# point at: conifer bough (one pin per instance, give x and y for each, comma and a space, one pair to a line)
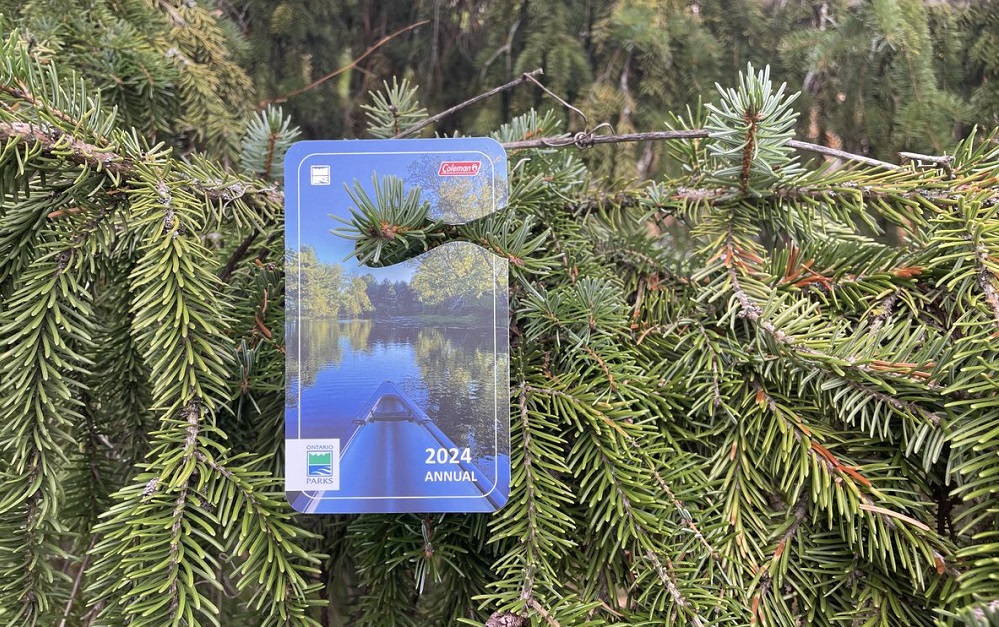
735, 401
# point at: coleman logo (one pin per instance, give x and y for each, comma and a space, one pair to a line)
459, 168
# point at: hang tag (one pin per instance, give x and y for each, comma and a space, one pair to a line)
397, 377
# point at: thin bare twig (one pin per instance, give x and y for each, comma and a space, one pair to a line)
565, 104
237, 255
59, 144
76, 585
586, 140
841, 154
338, 71
527, 76
909, 157
561, 141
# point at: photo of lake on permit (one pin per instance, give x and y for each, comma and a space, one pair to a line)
397, 376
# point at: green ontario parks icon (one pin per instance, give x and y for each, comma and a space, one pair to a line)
320, 464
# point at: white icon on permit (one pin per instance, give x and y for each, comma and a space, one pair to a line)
320, 175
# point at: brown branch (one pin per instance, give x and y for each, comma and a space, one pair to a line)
21, 92
748, 151
271, 146
237, 255
586, 140
81, 571
909, 157
543, 612
841, 154
338, 71
55, 142
527, 76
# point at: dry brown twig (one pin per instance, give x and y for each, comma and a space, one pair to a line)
319, 81
526, 76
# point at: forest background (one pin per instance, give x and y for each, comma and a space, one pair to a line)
876, 78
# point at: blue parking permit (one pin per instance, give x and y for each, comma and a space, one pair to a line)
397, 377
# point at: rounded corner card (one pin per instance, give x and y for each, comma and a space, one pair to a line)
397, 377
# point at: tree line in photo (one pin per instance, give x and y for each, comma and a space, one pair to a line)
452, 280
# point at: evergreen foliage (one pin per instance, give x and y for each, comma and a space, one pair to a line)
872, 74
118, 376
166, 66
734, 400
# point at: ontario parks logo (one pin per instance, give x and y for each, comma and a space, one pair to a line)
312, 464
320, 464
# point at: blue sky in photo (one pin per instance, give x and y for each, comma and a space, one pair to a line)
309, 205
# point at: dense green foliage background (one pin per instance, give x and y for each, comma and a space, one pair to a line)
748, 389
876, 76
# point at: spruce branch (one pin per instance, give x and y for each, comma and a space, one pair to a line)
537, 522
395, 109
587, 139
122, 172
22, 94
805, 436
632, 517
873, 371
284, 561
669, 581
192, 417
45, 331
755, 312
174, 279
532, 511
56, 143
268, 137
750, 128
